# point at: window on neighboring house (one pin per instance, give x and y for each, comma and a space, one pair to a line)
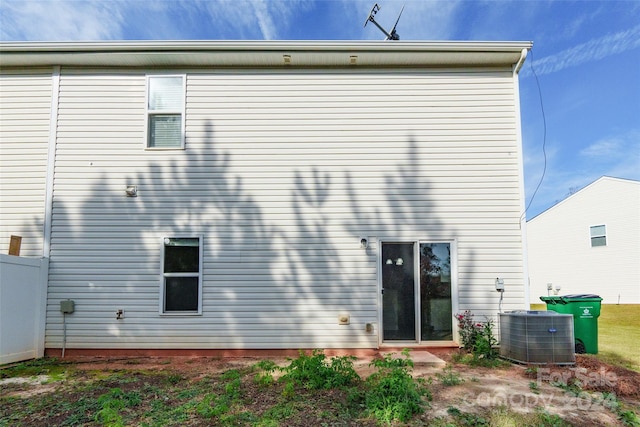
181, 275
165, 112
598, 235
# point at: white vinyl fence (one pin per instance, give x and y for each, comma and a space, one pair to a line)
23, 296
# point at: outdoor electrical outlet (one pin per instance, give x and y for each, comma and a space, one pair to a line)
120, 314
368, 327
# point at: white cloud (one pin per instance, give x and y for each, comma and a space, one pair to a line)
603, 148
51, 20
60, 20
592, 50
623, 148
265, 21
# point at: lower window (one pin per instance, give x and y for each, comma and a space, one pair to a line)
181, 275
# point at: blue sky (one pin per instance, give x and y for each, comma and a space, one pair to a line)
586, 55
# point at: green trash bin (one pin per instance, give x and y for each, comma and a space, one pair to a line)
585, 309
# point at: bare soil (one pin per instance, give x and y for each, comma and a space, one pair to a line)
520, 388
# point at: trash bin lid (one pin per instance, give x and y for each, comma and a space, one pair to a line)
583, 296
551, 298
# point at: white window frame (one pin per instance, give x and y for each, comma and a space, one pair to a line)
164, 275
591, 236
181, 112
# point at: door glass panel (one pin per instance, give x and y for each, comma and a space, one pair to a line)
398, 298
435, 292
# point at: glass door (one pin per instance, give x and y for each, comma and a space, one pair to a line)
435, 292
416, 292
398, 292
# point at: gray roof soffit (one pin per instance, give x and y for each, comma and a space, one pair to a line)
260, 53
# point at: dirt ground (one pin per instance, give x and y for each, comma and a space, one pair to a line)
523, 388
518, 387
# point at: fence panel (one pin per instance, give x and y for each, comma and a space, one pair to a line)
23, 295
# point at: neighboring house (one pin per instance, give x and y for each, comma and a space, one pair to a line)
589, 243
264, 195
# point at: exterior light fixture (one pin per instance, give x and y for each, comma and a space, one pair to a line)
389, 261
557, 289
131, 191
364, 243
353, 60
286, 59
399, 261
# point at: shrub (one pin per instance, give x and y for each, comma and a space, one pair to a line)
477, 338
468, 330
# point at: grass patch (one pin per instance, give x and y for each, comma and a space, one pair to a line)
52, 367
618, 334
498, 417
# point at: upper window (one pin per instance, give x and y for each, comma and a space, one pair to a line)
165, 112
181, 275
598, 235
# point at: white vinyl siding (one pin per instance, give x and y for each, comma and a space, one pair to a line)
284, 172
25, 106
560, 251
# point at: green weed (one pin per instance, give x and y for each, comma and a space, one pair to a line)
391, 393
467, 419
449, 377
314, 372
547, 419
264, 378
533, 386
112, 403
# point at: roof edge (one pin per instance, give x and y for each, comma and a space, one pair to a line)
591, 184
262, 45
261, 53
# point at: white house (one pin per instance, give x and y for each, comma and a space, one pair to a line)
589, 243
264, 195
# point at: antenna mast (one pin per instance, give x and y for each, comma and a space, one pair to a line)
391, 35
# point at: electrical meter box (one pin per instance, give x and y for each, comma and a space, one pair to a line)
67, 306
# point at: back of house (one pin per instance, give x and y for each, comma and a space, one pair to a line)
220, 196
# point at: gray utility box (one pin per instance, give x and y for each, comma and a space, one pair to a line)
537, 337
67, 306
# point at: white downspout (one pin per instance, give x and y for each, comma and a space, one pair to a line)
51, 160
522, 218
48, 207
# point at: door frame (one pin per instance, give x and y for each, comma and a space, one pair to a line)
416, 278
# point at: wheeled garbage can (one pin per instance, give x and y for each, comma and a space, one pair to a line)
585, 309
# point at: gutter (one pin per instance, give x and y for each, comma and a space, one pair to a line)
262, 54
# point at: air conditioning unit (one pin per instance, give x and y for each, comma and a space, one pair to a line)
537, 337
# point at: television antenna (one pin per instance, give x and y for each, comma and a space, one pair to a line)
391, 35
